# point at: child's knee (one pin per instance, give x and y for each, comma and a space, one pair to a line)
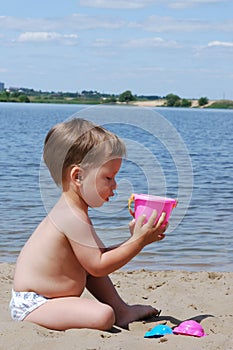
107, 318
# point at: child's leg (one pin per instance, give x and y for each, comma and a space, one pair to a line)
73, 312
103, 289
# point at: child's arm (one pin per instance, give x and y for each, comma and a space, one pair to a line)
99, 262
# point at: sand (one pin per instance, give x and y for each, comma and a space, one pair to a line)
162, 103
206, 297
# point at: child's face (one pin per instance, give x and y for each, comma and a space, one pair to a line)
99, 183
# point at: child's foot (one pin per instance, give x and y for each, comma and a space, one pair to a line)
135, 313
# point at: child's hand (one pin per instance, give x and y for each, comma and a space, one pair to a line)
132, 226
149, 232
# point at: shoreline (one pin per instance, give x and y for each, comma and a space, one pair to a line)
162, 102
214, 104
134, 265
206, 297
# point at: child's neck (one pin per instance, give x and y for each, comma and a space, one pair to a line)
75, 201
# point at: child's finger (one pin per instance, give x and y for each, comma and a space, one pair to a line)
161, 220
140, 220
132, 222
152, 218
131, 226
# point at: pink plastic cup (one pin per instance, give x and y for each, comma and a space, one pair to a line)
144, 204
190, 327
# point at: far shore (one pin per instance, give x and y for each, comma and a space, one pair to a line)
162, 103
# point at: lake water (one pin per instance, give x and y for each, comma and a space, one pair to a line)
181, 153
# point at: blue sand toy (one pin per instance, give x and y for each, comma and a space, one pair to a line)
158, 331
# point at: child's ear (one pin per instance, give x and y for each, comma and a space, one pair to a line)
76, 174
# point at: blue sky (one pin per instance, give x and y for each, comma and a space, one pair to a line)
147, 46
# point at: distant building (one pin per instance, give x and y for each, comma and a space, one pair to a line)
13, 89
1, 86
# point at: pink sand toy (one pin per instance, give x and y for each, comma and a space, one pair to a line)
145, 204
190, 328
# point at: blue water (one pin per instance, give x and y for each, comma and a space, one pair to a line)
181, 153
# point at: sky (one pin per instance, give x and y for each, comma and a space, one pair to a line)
151, 47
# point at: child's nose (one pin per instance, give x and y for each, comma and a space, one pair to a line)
114, 184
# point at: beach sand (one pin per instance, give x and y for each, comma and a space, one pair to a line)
162, 103
206, 297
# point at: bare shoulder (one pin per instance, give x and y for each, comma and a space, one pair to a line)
73, 223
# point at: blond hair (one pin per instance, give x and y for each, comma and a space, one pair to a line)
81, 142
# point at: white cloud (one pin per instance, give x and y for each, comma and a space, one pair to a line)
72, 22
47, 37
191, 3
10, 23
118, 4
100, 43
80, 21
137, 4
151, 43
151, 69
219, 50
37, 36
220, 44
158, 24
170, 24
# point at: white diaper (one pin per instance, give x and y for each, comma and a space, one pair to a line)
23, 303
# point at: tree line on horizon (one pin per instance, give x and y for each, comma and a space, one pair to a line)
29, 95
26, 95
